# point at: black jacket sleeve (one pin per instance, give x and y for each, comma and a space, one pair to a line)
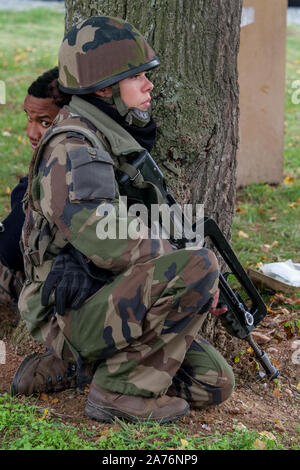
10, 253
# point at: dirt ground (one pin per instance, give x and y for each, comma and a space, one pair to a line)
256, 403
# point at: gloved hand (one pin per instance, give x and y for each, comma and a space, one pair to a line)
73, 280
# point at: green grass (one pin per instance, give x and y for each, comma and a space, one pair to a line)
268, 214
24, 426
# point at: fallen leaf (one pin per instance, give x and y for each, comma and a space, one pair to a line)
298, 387
288, 180
273, 312
184, 443
268, 435
289, 329
7, 190
255, 227
279, 426
293, 300
278, 337
44, 397
44, 415
275, 363
259, 445
241, 427
54, 400
266, 248
260, 338
276, 393
242, 234
241, 210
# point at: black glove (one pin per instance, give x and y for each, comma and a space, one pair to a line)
74, 280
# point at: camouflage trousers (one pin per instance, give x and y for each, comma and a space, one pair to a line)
139, 331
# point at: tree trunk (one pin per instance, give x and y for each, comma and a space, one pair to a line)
195, 98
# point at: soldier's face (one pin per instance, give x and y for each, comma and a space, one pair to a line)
40, 115
135, 91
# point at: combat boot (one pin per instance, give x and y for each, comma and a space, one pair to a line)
103, 405
43, 373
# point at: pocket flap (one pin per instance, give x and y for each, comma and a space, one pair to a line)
83, 155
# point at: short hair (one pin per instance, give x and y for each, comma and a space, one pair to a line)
46, 86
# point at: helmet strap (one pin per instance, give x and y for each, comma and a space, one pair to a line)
134, 116
119, 103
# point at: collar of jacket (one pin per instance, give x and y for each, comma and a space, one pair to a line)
121, 142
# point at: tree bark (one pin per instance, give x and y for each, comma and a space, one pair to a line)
195, 98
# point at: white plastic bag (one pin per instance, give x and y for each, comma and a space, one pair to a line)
286, 271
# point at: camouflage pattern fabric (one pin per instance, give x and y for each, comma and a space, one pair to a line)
204, 378
137, 329
100, 51
10, 285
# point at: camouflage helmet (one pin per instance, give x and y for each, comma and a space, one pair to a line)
101, 51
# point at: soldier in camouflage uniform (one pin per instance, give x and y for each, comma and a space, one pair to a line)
137, 333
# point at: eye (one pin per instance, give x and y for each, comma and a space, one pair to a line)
46, 123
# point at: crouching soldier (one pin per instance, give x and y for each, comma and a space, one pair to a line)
134, 337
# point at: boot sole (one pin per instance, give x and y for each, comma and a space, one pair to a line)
101, 413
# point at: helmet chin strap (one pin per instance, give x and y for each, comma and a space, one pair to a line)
134, 116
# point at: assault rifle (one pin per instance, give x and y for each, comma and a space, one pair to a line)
245, 307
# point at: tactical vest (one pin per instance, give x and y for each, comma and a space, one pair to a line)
36, 249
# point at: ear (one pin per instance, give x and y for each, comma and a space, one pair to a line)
105, 92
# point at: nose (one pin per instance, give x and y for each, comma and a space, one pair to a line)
33, 132
148, 86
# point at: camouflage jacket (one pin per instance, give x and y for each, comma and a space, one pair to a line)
67, 185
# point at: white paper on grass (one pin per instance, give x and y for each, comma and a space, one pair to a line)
285, 271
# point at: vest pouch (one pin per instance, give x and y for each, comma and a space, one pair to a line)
41, 236
92, 174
